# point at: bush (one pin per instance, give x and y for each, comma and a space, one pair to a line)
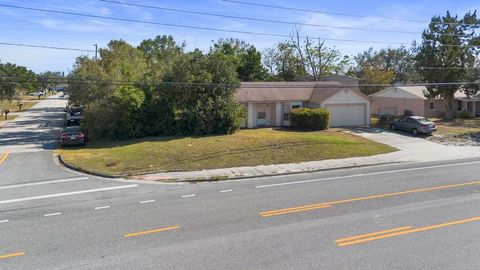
465, 114
408, 113
312, 119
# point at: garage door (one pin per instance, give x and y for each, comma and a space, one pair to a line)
347, 115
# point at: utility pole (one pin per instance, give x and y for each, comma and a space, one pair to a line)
319, 59
96, 51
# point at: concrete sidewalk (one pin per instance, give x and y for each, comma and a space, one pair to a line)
411, 149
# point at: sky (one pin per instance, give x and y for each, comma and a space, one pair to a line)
41, 28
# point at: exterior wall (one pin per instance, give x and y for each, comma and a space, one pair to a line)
397, 106
438, 108
278, 114
244, 123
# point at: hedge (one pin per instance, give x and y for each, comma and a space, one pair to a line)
312, 119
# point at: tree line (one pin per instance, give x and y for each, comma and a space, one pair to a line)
160, 88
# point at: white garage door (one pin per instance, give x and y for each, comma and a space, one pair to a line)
347, 115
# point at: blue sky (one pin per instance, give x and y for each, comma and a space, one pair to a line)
31, 27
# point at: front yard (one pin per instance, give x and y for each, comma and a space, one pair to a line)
246, 148
13, 107
458, 132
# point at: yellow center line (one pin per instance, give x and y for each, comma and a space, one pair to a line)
3, 157
348, 239
421, 229
11, 255
151, 231
317, 206
296, 210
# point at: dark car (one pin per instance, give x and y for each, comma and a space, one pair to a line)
73, 136
414, 124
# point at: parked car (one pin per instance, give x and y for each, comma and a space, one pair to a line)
35, 94
414, 124
73, 135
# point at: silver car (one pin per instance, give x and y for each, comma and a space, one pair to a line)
414, 124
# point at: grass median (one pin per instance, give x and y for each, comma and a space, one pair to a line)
245, 148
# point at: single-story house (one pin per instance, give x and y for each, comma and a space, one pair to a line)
268, 104
395, 100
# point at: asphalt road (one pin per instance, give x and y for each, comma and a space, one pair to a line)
408, 216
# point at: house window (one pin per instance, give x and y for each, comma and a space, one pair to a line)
468, 106
261, 115
459, 105
295, 106
286, 111
432, 105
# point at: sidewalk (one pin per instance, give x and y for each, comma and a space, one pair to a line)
411, 149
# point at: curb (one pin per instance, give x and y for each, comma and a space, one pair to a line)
212, 179
226, 178
75, 168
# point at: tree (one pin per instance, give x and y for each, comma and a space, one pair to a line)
245, 57
125, 96
450, 43
51, 79
15, 79
401, 61
160, 52
288, 65
316, 58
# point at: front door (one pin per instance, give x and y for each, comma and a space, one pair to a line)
263, 115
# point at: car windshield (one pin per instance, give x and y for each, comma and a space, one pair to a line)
423, 120
72, 130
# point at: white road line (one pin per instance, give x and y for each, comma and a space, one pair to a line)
43, 183
149, 201
367, 174
4, 221
188, 196
67, 194
52, 214
101, 207
226, 190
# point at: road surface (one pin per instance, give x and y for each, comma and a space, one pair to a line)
404, 216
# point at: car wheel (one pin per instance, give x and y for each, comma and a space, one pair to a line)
415, 131
393, 127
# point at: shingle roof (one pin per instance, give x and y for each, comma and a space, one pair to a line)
286, 91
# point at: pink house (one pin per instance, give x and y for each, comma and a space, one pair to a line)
395, 100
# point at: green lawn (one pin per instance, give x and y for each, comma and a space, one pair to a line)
246, 148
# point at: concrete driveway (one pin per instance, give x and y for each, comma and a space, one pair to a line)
416, 148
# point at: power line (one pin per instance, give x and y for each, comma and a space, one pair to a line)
299, 84
44, 47
333, 13
200, 27
264, 20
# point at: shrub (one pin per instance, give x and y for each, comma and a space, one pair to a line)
407, 113
312, 119
465, 114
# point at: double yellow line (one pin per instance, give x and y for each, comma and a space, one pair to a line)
11, 255
378, 196
362, 238
3, 157
151, 231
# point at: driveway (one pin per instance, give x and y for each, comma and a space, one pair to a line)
416, 148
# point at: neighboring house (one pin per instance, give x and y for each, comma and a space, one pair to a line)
269, 103
470, 104
395, 100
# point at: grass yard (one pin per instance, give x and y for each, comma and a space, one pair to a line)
246, 148
13, 107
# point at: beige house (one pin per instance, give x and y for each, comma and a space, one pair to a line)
268, 104
395, 100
